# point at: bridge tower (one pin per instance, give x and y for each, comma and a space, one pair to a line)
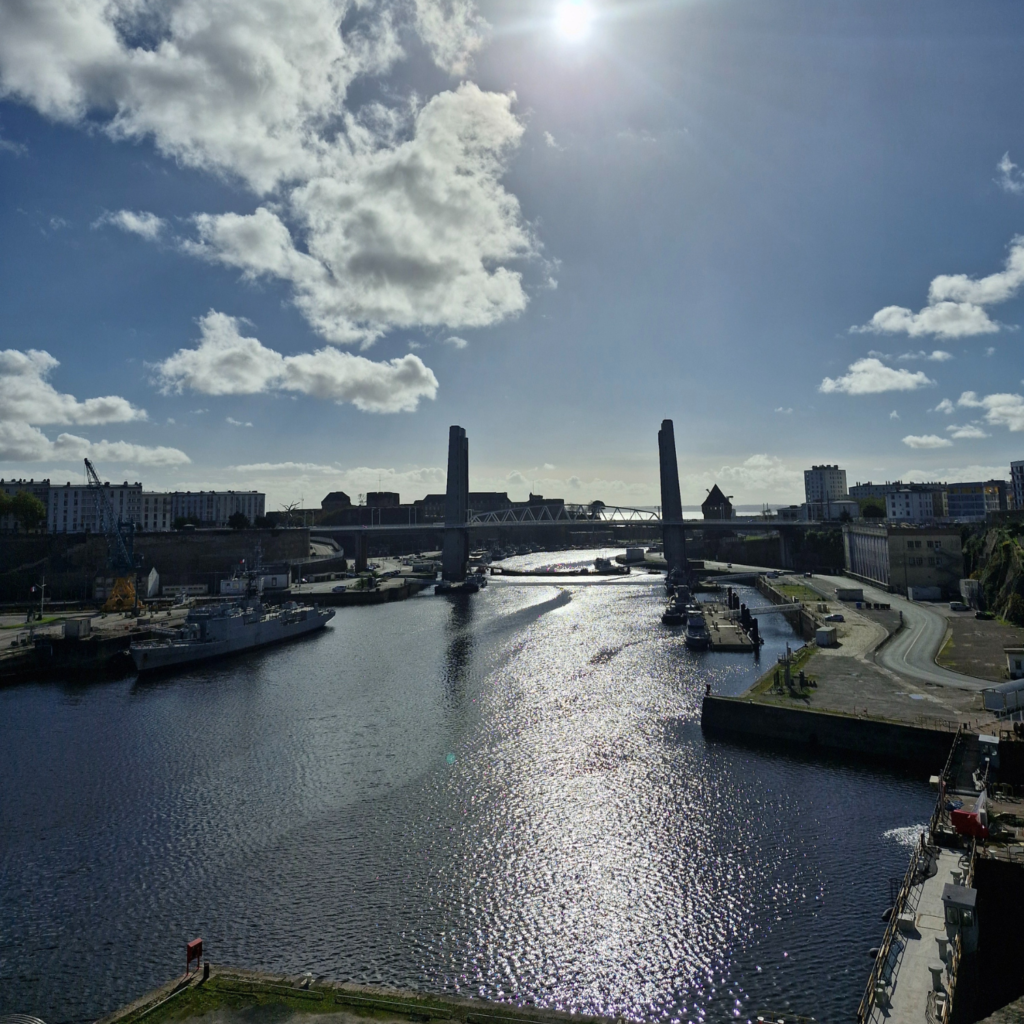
455, 550
673, 532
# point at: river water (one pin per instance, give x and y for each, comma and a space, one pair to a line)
504, 795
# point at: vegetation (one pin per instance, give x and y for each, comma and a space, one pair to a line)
872, 508
180, 522
995, 558
238, 521
27, 509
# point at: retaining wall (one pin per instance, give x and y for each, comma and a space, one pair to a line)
887, 742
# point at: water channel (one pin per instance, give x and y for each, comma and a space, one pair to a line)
506, 795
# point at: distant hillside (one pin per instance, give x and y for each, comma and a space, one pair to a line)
996, 558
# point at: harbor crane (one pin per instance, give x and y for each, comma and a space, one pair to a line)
120, 547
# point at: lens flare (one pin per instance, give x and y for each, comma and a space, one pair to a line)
573, 19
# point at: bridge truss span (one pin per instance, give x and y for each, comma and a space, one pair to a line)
530, 515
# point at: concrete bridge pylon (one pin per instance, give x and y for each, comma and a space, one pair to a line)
673, 531
455, 549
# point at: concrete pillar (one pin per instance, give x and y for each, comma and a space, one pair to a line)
673, 533
786, 547
455, 550
358, 555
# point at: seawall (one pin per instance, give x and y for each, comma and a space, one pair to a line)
876, 740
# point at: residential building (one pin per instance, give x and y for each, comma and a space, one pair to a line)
916, 503
157, 511
37, 488
831, 510
900, 556
1017, 484
72, 508
383, 499
716, 505
869, 490
823, 484
973, 501
215, 508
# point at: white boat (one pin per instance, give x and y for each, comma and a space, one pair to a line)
697, 636
228, 628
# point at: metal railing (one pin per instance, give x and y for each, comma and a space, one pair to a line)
867, 1003
956, 947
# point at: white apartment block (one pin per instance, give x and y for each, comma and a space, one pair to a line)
1017, 483
72, 508
157, 511
37, 488
915, 505
824, 484
214, 508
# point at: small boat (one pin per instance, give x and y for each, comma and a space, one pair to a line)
697, 636
675, 612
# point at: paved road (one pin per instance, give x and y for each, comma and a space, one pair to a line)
912, 651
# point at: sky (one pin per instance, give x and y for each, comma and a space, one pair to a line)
284, 244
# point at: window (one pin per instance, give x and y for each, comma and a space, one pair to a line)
931, 562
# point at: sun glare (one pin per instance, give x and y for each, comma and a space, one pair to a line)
573, 18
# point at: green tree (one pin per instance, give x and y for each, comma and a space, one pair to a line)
6, 504
238, 521
28, 510
181, 521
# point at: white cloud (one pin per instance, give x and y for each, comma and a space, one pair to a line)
945, 406
382, 216
549, 141
871, 377
548, 466
227, 363
786, 411
990, 351
759, 475
21, 442
1001, 410
456, 342
283, 467
26, 395
968, 431
894, 415
1010, 178
453, 31
926, 441
7, 146
236, 423
146, 225
938, 356
955, 303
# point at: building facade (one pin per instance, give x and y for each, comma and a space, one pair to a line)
897, 557
215, 508
1017, 484
824, 484
972, 502
870, 490
157, 511
915, 503
72, 508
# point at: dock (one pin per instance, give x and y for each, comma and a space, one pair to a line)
727, 637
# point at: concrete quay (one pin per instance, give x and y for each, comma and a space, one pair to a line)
231, 995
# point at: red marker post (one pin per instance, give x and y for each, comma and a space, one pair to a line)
193, 951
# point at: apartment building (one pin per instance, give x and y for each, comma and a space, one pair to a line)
72, 508
823, 484
916, 503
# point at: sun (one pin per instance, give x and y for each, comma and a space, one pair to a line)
573, 19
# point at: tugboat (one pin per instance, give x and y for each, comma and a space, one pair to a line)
697, 636
229, 627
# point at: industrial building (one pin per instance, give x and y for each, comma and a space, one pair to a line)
902, 557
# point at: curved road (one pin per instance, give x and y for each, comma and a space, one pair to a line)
912, 651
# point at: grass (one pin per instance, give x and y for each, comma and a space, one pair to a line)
945, 656
798, 592
35, 622
798, 661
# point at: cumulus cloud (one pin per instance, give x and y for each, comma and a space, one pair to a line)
938, 356
1010, 178
28, 400
759, 474
381, 216
945, 406
926, 441
1001, 410
227, 363
456, 342
26, 395
968, 431
956, 303
870, 376
146, 225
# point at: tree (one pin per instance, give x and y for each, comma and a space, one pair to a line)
238, 521
263, 523
28, 510
182, 521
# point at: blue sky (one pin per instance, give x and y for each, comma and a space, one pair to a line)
285, 245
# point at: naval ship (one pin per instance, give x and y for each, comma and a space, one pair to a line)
229, 627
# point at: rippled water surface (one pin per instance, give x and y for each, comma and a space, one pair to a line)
504, 795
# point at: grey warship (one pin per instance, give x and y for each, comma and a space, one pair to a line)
229, 627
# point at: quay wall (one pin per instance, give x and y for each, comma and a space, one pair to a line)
800, 619
887, 742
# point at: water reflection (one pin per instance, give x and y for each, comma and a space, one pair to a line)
585, 849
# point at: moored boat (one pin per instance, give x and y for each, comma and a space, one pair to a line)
697, 636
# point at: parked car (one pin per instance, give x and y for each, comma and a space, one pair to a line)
835, 617
337, 590
958, 606
808, 575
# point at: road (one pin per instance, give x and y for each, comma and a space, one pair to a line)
912, 651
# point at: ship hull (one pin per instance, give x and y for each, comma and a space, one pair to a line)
157, 655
